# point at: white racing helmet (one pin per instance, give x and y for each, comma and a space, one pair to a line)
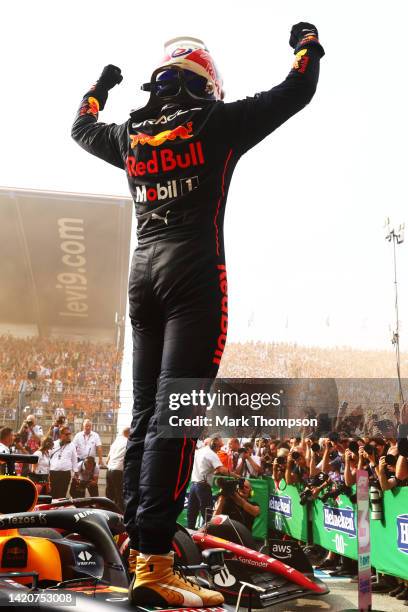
193, 58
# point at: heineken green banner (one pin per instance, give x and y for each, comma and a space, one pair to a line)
389, 536
260, 490
261, 497
334, 525
286, 513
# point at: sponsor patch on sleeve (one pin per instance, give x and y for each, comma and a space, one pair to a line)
90, 107
301, 61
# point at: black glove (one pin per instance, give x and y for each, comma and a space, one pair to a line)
300, 31
110, 77
303, 34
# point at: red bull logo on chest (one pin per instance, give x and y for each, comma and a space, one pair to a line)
166, 160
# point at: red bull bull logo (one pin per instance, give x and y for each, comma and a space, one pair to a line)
155, 140
90, 107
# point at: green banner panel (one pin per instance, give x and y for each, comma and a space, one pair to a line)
335, 526
389, 536
285, 511
334, 523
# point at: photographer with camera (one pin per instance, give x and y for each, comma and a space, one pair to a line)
233, 501
297, 470
249, 465
368, 460
332, 458
351, 458
387, 470
86, 478
54, 430
279, 466
31, 434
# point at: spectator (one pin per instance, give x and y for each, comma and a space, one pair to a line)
279, 465
31, 434
296, 468
114, 475
41, 469
54, 430
6, 439
351, 465
387, 469
88, 443
63, 463
249, 465
402, 470
237, 506
206, 464
86, 478
229, 454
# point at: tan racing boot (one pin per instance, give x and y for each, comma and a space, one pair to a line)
158, 583
132, 560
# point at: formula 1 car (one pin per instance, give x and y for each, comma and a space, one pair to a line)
71, 552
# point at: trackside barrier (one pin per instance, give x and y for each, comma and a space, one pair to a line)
285, 510
260, 496
334, 525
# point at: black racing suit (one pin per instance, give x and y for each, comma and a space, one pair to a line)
179, 162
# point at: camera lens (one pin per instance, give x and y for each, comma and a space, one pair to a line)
281, 460
391, 459
315, 447
295, 455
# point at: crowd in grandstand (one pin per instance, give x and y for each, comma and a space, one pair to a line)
77, 376
262, 359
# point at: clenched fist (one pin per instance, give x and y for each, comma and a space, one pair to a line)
300, 31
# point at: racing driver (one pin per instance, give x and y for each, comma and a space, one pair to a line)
179, 152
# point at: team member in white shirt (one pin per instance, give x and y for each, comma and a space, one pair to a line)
88, 443
114, 476
206, 465
41, 469
63, 461
6, 439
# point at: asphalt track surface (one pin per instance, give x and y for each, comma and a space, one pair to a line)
343, 596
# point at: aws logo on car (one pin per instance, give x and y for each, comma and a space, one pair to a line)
281, 551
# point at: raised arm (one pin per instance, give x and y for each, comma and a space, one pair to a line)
254, 118
100, 139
